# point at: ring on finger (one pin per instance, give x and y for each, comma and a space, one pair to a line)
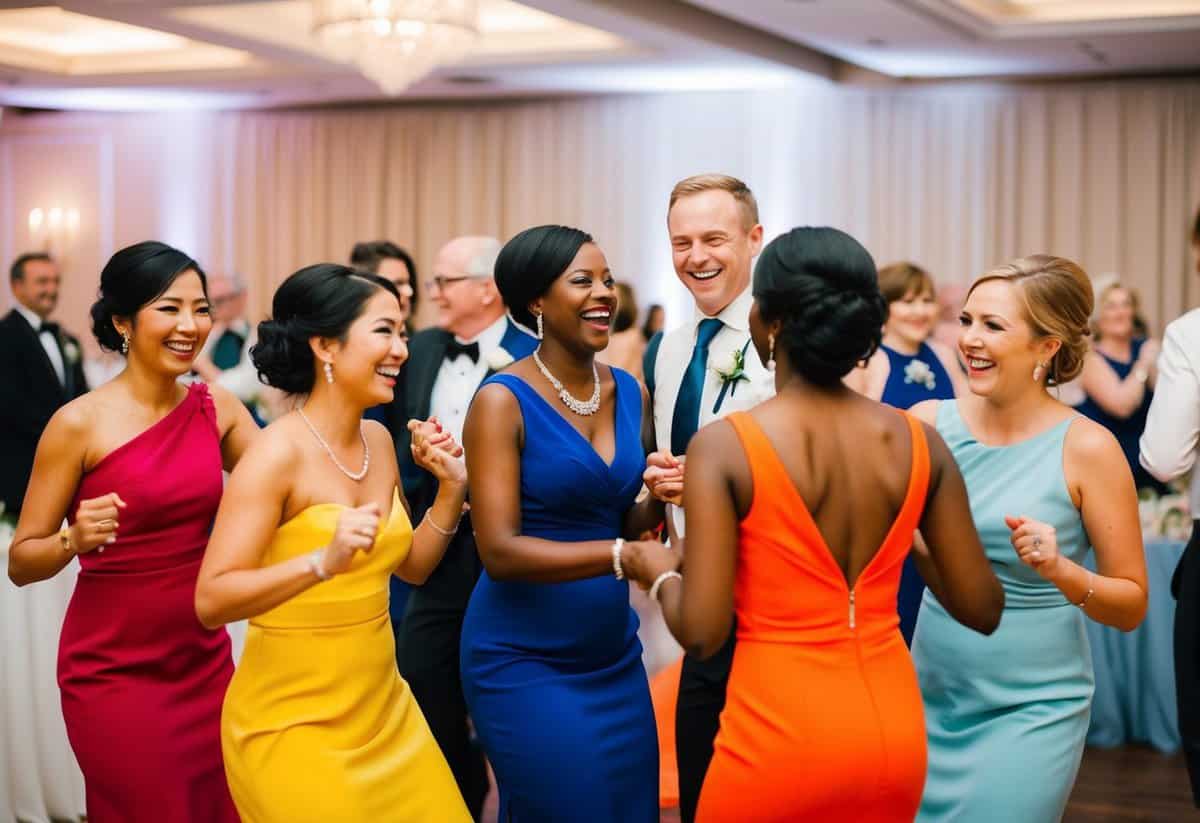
1037, 542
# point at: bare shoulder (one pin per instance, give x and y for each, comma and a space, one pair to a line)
376, 433
1087, 442
717, 438
926, 411
273, 452
225, 401
492, 399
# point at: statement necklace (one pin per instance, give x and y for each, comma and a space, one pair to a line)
584, 408
366, 451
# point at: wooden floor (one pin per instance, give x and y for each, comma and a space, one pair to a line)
1126, 784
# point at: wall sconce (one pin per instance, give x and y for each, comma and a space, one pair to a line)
55, 229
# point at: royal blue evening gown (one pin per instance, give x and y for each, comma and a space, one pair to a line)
552, 672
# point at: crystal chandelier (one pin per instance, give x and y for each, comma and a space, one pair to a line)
394, 43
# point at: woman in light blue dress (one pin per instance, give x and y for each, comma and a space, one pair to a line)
1007, 715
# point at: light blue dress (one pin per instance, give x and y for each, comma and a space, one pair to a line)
1007, 715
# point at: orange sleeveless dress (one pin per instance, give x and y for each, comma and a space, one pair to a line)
823, 718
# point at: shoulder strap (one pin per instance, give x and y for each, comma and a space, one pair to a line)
649, 360
918, 476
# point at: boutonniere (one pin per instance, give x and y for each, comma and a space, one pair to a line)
498, 359
71, 352
918, 371
731, 373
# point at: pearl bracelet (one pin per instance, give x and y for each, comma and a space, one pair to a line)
314, 563
443, 532
1087, 596
618, 570
662, 578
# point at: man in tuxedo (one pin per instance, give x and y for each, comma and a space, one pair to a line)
41, 369
715, 235
473, 338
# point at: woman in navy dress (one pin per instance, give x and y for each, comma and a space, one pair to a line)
908, 368
556, 446
1118, 377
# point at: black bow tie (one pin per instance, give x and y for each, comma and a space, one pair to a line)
454, 349
49, 327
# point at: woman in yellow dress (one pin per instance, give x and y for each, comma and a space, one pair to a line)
317, 724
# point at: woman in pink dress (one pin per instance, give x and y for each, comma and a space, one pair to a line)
135, 467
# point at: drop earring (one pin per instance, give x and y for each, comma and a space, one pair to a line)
124, 343
1037, 372
328, 372
771, 352
539, 327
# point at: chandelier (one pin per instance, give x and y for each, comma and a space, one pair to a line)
394, 43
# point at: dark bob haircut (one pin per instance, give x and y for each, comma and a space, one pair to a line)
820, 283
318, 301
132, 278
367, 256
530, 262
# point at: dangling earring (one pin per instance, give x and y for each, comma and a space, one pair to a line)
328, 372
124, 343
771, 355
539, 327
1037, 372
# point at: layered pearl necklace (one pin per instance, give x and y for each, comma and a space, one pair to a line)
584, 408
366, 450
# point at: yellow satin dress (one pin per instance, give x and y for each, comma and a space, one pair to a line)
317, 724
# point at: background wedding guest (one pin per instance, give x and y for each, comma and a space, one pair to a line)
655, 321
909, 366
40, 363
317, 724
1045, 485
626, 345
697, 373
1169, 447
135, 466
786, 523
392, 263
472, 339
1119, 375
227, 346
555, 450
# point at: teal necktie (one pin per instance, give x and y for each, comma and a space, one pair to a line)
686, 417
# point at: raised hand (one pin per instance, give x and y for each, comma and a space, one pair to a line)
664, 477
355, 532
96, 522
442, 460
430, 431
1036, 544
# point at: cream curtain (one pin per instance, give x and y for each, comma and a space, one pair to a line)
954, 177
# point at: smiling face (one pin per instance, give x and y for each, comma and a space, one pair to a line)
910, 320
712, 247
1117, 311
37, 288
998, 343
368, 360
166, 333
578, 308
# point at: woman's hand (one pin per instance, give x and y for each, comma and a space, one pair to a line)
644, 560
664, 477
96, 522
1036, 545
356, 530
437, 452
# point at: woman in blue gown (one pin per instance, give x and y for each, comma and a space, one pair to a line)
1007, 715
908, 368
556, 447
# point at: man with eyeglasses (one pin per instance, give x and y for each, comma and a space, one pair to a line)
472, 339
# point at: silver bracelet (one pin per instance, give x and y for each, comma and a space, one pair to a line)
443, 532
617, 545
662, 578
314, 563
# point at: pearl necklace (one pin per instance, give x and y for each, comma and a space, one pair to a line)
584, 408
366, 451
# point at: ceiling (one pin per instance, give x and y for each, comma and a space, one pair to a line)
155, 54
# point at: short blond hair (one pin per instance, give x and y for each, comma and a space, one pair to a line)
719, 182
1056, 294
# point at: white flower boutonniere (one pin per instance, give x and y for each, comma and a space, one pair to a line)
498, 359
918, 371
732, 373
71, 352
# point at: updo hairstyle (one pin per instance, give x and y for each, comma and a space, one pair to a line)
322, 300
134, 277
821, 285
530, 262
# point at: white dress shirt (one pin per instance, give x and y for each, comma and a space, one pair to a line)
674, 354
458, 379
1172, 435
46, 338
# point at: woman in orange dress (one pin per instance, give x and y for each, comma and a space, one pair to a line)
789, 526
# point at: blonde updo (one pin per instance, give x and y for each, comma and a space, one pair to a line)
1057, 298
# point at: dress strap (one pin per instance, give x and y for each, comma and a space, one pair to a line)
918, 477
766, 470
